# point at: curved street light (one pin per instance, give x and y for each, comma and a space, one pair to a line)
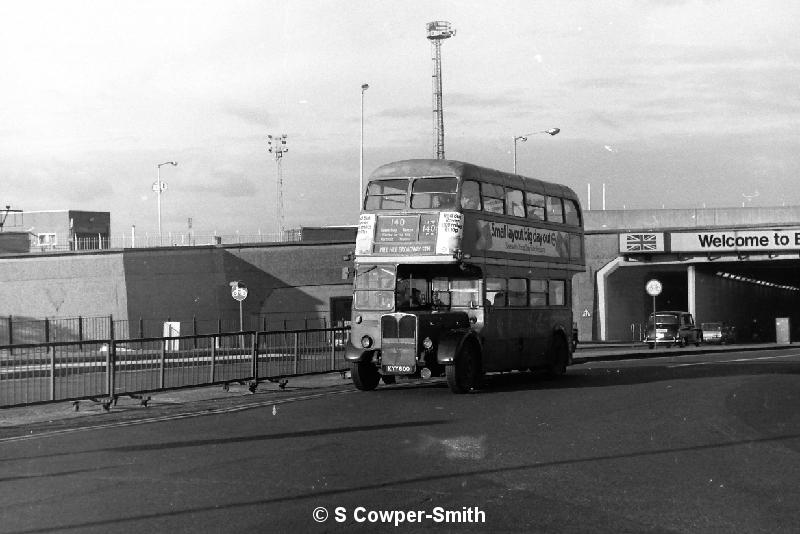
524, 137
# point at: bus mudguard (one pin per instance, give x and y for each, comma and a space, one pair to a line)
450, 344
357, 354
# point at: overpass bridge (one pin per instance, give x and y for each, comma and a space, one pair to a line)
738, 265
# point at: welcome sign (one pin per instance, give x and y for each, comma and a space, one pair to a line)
736, 241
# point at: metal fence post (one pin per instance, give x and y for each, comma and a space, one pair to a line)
334, 339
296, 351
161, 364
111, 359
80, 332
255, 356
52, 352
213, 357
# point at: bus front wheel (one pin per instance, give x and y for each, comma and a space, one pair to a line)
464, 375
365, 376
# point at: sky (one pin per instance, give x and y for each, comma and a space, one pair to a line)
670, 103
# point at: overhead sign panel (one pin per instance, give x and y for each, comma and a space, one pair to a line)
736, 241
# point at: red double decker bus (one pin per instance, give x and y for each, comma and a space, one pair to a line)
462, 270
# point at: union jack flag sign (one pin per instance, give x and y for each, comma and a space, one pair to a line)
650, 242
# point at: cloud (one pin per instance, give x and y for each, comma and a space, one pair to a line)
250, 114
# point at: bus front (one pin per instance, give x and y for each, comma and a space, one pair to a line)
414, 300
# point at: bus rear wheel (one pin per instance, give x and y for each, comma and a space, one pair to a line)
559, 357
464, 375
365, 376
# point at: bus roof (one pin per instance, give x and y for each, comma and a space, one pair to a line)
420, 168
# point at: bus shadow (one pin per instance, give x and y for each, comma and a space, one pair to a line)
611, 376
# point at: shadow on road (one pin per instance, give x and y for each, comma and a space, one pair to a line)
238, 439
611, 376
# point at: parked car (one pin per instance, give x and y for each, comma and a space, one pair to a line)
672, 328
718, 332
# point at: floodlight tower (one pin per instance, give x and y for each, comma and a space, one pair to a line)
277, 147
438, 30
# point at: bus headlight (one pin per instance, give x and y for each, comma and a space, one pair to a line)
427, 343
358, 319
366, 342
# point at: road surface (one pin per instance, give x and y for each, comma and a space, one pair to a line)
697, 443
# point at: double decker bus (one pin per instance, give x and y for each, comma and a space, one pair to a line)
462, 270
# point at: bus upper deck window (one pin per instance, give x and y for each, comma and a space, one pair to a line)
387, 194
555, 212
470, 195
514, 203
535, 205
493, 197
571, 213
434, 193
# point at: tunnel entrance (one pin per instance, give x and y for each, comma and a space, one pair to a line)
746, 294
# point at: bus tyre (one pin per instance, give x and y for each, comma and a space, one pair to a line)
464, 375
365, 376
559, 356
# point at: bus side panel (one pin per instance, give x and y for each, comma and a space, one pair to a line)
500, 351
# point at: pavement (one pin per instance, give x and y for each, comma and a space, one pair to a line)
15, 419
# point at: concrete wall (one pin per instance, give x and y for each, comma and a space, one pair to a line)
287, 284
63, 285
629, 220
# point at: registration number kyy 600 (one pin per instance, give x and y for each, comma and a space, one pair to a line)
398, 368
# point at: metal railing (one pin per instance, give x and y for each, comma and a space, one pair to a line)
106, 369
16, 330
64, 242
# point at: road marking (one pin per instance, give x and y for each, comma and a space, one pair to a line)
735, 360
173, 417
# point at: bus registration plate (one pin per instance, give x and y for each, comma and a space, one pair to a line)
398, 369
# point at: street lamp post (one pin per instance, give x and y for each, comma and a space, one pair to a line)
364, 87
158, 187
523, 138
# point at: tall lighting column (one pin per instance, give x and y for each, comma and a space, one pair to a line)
364, 87
438, 31
159, 187
277, 147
